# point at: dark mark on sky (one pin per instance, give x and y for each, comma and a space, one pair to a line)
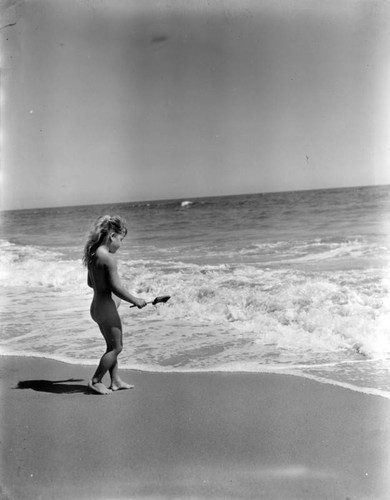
7, 26
159, 39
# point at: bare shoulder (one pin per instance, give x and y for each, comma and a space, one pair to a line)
105, 258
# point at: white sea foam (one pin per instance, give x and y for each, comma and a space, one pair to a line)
263, 313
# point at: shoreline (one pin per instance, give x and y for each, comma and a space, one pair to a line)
187, 436
283, 370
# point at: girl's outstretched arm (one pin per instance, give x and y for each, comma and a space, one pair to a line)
116, 285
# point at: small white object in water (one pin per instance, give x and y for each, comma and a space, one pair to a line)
186, 203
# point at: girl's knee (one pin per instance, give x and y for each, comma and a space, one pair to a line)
116, 347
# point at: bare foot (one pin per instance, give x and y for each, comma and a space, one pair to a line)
99, 387
119, 385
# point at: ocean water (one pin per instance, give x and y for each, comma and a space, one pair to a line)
293, 282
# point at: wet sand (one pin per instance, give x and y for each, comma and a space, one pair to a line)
187, 436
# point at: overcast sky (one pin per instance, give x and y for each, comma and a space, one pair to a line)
127, 100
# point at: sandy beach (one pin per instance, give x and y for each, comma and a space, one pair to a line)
187, 436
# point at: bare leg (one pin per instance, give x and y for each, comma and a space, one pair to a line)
114, 371
117, 383
108, 362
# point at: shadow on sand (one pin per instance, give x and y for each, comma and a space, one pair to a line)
55, 386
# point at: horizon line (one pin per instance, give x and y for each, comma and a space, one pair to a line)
190, 198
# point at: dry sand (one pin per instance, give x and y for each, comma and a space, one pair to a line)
187, 436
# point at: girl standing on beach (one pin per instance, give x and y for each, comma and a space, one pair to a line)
99, 257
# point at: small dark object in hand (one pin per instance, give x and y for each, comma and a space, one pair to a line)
161, 299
